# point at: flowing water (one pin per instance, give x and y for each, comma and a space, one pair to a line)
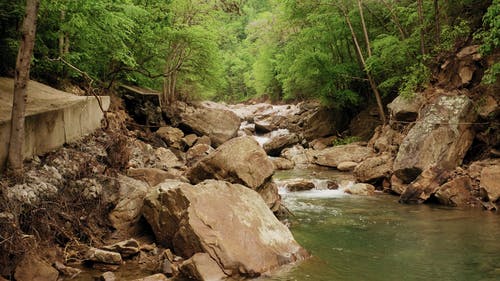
375, 238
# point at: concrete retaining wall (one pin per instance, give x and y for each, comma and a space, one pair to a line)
48, 130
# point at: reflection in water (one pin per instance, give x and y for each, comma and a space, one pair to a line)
375, 238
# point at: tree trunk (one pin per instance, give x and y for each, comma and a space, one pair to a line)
395, 19
421, 23
373, 85
365, 31
62, 35
21, 79
437, 22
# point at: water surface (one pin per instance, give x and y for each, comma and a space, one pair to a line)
376, 238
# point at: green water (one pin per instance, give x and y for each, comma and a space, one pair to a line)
376, 238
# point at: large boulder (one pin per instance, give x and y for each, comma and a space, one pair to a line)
441, 138
322, 122
34, 269
490, 182
456, 192
364, 123
240, 160
406, 109
202, 267
275, 145
333, 156
426, 184
374, 168
127, 211
229, 222
218, 124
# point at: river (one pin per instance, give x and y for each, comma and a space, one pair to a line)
376, 238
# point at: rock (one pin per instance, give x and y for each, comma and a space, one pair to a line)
487, 107
34, 269
467, 51
223, 220
455, 192
298, 155
386, 139
168, 268
322, 143
171, 136
197, 152
103, 256
441, 138
364, 123
490, 182
108, 276
240, 160
332, 185
270, 195
70, 272
397, 185
264, 127
152, 176
202, 267
126, 248
299, 185
374, 168
89, 188
346, 166
424, 186
190, 140
166, 159
475, 168
204, 140
332, 156
406, 108
127, 211
322, 122
360, 189
465, 73
281, 163
219, 125
276, 144
143, 155
155, 277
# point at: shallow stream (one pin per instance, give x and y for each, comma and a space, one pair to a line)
375, 238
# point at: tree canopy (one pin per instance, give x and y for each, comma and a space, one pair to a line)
239, 49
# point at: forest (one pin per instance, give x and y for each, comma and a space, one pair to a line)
339, 52
354, 139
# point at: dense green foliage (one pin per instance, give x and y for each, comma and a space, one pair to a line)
238, 49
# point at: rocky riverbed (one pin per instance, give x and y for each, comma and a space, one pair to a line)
195, 197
